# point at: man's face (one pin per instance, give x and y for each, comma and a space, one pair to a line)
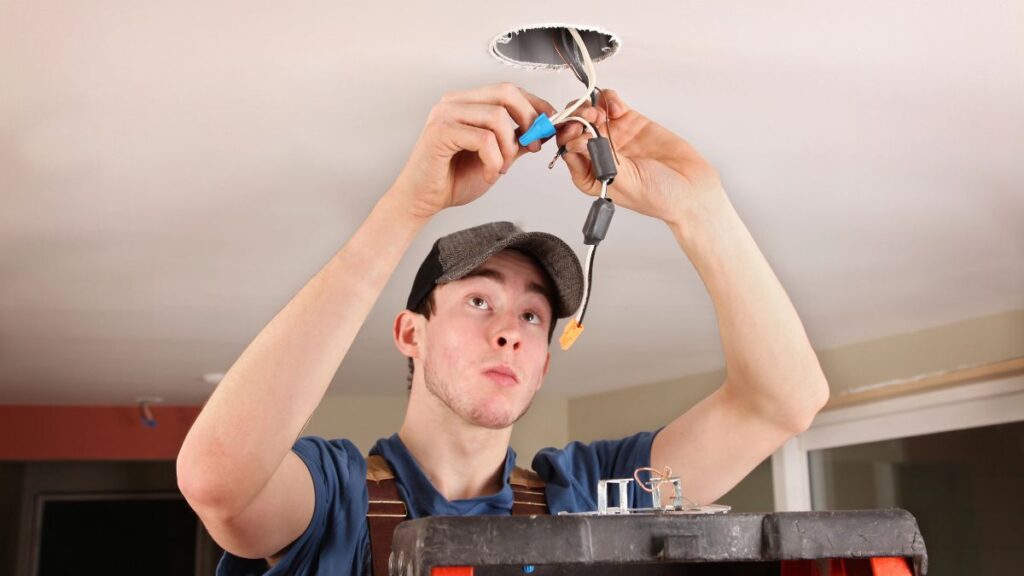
486, 346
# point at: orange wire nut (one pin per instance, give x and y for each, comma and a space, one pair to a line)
572, 331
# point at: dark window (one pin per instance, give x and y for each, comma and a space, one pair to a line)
964, 488
117, 536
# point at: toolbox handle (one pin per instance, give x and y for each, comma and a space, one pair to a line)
681, 547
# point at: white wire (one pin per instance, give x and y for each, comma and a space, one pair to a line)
588, 264
583, 121
564, 116
586, 282
591, 79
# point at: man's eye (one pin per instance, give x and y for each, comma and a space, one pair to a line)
531, 318
478, 302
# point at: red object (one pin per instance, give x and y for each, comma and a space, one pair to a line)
451, 571
891, 566
92, 432
881, 566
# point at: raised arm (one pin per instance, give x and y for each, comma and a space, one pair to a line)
236, 467
774, 385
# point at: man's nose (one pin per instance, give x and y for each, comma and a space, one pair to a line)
507, 334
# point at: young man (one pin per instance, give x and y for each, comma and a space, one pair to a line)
477, 331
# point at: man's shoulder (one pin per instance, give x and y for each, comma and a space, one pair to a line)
328, 448
572, 473
333, 463
598, 458
338, 470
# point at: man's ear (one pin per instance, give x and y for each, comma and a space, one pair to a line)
407, 333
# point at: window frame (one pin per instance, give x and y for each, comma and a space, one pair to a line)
995, 401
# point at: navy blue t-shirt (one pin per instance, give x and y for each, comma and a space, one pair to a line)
337, 539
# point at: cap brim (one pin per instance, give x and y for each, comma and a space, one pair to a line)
553, 254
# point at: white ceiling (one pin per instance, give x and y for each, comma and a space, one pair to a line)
172, 172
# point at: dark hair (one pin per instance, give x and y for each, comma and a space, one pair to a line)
426, 309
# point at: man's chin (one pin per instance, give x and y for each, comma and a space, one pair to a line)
490, 421
494, 419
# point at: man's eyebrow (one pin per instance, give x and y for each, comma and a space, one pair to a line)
500, 279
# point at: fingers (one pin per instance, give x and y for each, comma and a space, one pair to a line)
589, 111
479, 140
611, 101
539, 104
572, 129
579, 170
489, 117
522, 106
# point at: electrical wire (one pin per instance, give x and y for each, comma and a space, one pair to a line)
591, 77
582, 76
576, 66
585, 73
570, 65
588, 274
586, 124
608, 124
657, 475
588, 268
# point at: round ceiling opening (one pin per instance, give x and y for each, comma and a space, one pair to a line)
550, 45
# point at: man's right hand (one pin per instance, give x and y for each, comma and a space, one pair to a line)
469, 141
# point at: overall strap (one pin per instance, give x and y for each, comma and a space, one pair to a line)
528, 496
386, 511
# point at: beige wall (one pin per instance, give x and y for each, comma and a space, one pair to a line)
361, 419
546, 424
978, 341
364, 419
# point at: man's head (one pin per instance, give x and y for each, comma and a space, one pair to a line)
481, 314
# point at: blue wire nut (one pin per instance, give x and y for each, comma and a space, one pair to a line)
542, 128
528, 569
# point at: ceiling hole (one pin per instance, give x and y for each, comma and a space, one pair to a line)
534, 46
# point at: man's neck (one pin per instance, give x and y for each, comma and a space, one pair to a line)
461, 461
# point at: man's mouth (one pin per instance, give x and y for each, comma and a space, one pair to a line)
502, 375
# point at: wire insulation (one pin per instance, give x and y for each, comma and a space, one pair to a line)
588, 276
591, 77
586, 124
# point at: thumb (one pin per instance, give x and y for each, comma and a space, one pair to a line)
579, 169
617, 107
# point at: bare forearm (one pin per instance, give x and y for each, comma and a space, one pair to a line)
769, 359
252, 419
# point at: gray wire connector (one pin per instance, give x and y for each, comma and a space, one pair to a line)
598, 220
602, 160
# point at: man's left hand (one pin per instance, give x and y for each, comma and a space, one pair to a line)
659, 173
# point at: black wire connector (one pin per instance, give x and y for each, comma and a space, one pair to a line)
602, 164
598, 221
602, 159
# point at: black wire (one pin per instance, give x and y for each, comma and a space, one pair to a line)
567, 64
590, 283
571, 51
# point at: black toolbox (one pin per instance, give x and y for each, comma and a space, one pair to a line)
847, 543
